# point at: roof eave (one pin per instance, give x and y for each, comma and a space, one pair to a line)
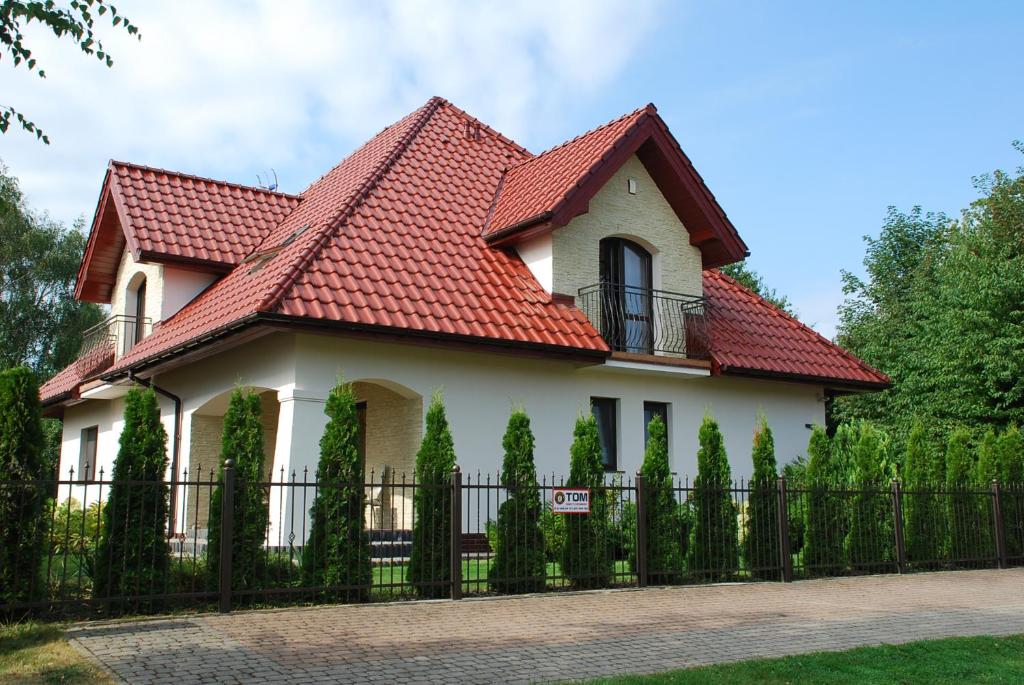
832, 383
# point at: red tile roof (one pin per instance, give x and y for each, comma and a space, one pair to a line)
751, 336
172, 215
391, 240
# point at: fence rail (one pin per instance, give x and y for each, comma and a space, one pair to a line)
485, 536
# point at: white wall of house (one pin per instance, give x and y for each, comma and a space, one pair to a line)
128, 275
180, 286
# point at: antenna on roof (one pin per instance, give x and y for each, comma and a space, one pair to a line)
267, 185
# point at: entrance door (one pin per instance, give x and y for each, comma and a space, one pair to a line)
627, 317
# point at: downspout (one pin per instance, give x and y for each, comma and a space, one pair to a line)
175, 446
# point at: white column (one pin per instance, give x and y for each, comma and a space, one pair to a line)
300, 423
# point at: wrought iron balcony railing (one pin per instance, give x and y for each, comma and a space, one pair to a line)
116, 335
648, 321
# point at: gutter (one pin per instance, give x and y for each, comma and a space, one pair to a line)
176, 445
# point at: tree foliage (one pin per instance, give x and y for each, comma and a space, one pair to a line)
22, 501
923, 473
968, 520
133, 557
76, 22
664, 556
713, 553
1010, 450
41, 324
941, 310
241, 441
430, 564
760, 538
869, 542
586, 559
519, 564
827, 517
336, 556
752, 280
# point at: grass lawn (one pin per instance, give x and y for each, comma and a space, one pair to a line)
954, 661
37, 653
474, 576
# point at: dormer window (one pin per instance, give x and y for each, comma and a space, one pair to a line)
136, 325
628, 324
140, 310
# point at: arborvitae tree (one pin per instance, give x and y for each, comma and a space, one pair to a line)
519, 564
761, 538
714, 552
586, 559
430, 564
841, 450
133, 557
968, 523
23, 497
337, 553
241, 441
827, 517
924, 509
870, 543
987, 468
664, 557
1010, 448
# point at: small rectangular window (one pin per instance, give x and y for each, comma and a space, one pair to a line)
87, 453
605, 411
652, 409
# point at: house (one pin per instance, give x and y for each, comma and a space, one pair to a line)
441, 254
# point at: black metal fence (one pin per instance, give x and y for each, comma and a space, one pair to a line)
487, 536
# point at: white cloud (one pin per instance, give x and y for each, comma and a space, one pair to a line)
230, 90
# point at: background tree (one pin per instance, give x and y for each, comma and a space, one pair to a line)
761, 539
41, 324
242, 441
827, 517
586, 559
22, 503
968, 524
752, 280
923, 473
869, 543
664, 558
75, 21
430, 564
336, 556
519, 564
713, 553
133, 556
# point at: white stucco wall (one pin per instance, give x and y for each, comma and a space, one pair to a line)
180, 286
538, 256
614, 211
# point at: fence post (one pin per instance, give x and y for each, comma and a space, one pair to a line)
785, 553
897, 515
997, 511
456, 533
641, 532
227, 525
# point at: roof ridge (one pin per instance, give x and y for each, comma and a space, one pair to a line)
490, 129
649, 107
273, 298
799, 324
205, 179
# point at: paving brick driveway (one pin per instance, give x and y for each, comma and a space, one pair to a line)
556, 636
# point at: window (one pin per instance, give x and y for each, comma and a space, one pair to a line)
87, 453
140, 311
626, 278
605, 412
652, 409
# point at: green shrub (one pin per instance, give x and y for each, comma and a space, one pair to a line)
987, 468
23, 522
74, 536
518, 564
923, 472
870, 541
1010, 448
133, 556
968, 523
430, 564
336, 556
761, 534
795, 473
664, 562
242, 441
714, 551
827, 517
553, 527
585, 557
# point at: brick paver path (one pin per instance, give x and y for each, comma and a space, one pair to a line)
556, 636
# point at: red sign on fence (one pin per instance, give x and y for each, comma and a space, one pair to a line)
570, 501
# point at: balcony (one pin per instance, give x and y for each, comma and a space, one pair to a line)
647, 322
114, 337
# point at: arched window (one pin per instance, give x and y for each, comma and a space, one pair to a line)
627, 317
135, 311
140, 310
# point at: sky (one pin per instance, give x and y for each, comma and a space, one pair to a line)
806, 119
